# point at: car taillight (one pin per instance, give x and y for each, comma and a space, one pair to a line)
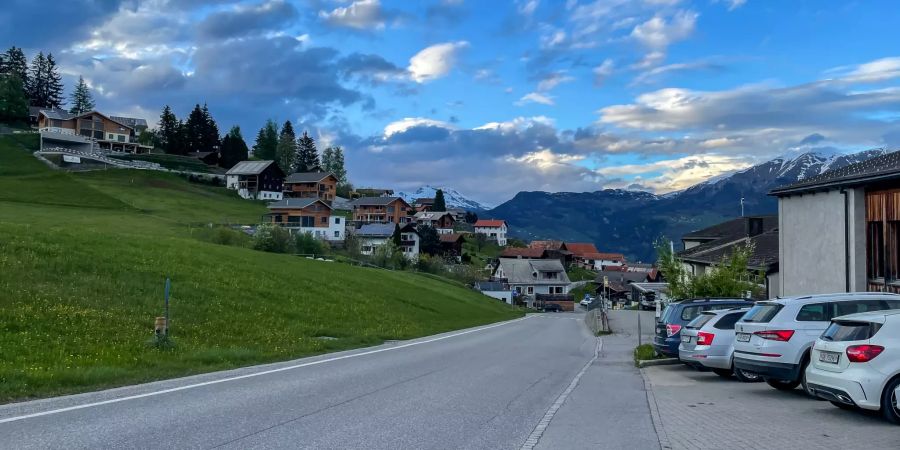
776, 335
863, 353
672, 329
704, 338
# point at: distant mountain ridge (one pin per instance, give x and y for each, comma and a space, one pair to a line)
452, 197
630, 221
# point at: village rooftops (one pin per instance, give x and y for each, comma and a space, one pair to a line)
376, 201
547, 245
516, 252
376, 230
490, 223
431, 215
524, 271
249, 168
605, 256
727, 232
451, 237
57, 113
764, 255
581, 249
307, 177
880, 168
296, 203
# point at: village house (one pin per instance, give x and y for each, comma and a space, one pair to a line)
443, 222
90, 132
523, 253
260, 180
493, 229
307, 215
534, 280
423, 204
381, 210
321, 185
580, 252
706, 248
616, 281
495, 289
601, 260
374, 235
838, 231
452, 245
553, 249
371, 192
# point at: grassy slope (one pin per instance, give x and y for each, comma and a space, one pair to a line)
82, 263
175, 162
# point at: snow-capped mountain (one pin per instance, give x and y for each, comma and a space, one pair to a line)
452, 198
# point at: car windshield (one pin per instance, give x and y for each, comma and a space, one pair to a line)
762, 312
700, 320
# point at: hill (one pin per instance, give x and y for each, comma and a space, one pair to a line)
630, 221
83, 261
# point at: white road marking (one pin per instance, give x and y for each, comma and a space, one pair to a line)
539, 429
251, 375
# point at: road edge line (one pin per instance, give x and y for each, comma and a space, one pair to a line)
542, 425
661, 434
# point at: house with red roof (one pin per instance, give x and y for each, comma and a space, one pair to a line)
493, 229
604, 260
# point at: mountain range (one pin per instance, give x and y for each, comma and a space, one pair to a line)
452, 198
630, 221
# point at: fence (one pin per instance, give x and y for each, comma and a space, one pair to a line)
597, 320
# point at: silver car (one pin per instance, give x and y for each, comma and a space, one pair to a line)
707, 342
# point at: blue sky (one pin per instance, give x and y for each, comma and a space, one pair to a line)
492, 98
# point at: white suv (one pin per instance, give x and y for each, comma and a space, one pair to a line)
774, 338
856, 363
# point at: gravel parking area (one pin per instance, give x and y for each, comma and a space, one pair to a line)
700, 410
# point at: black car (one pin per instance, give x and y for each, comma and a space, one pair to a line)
678, 314
553, 307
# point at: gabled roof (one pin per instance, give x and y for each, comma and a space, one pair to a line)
424, 201
547, 245
764, 256
581, 248
605, 256
731, 229
432, 215
249, 167
376, 230
515, 252
377, 201
307, 177
129, 121
295, 203
879, 168
91, 113
490, 223
56, 113
523, 271
341, 203
450, 238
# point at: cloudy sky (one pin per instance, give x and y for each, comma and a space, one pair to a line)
493, 97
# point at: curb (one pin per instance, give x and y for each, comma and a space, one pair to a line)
654, 414
657, 362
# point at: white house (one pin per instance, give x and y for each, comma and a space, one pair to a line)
530, 277
601, 260
495, 230
260, 180
441, 221
495, 289
308, 215
374, 235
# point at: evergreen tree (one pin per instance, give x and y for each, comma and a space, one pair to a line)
54, 83
37, 81
234, 149
13, 103
266, 141
307, 156
14, 62
286, 150
429, 241
338, 166
82, 100
195, 130
396, 237
439, 204
209, 138
328, 159
168, 130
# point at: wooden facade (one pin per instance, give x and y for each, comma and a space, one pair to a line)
883, 240
324, 189
316, 215
396, 211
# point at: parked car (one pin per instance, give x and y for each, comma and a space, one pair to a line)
856, 363
707, 342
553, 307
586, 301
680, 313
775, 337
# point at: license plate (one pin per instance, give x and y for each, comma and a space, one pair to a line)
743, 337
829, 357
685, 339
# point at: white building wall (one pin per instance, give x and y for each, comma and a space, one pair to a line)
505, 296
372, 243
499, 231
335, 232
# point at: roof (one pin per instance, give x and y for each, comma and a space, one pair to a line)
581, 248
376, 230
341, 203
376, 201
515, 252
547, 245
57, 113
451, 237
605, 256
489, 286
764, 256
521, 271
731, 229
490, 223
307, 177
874, 169
621, 277
424, 201
249, 168
90, 113
130, 121
200, 155
296, 203
432, 215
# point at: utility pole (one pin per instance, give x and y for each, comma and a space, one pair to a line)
742, 206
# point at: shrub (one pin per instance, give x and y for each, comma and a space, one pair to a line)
307, 244
226, 236
389, 256
272, 238
430, 264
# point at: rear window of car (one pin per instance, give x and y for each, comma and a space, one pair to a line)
664, 316
700, 320
821, 312
728, 320
762, 312
841, 331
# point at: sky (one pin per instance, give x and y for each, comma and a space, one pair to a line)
491, 97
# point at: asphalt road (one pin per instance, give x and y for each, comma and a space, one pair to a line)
481, 388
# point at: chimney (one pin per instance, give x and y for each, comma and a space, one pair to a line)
754, 226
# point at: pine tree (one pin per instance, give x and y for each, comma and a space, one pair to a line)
234, 149
14, 62
307, 157
396, 236
55, 87
439, 204
286, 150
169, 131
266, 141
82, 100
13, 103
338, 166
37, 81
209, 138
195, 129
328, 159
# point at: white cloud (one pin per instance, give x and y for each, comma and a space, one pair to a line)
535, 97
406, 123
603, 71
874, 71
435, 61
675, 174
656, 73
361, 14
545, 159
735, 4
552, 80
528, 7
650, 60
517, 124
657, 33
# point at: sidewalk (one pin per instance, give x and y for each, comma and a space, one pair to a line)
608, 409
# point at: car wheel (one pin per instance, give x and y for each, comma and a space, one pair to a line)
890, 409
724, 373
747, 377
843, 405
782, 385
805, 386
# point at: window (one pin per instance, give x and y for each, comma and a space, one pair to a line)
293, 220
556, 289
519, 289
728, 320
324, 219
307, 221
815, 312
551, 275
367, 248
530, 290
337, 220
850, 331
700, 320
337, 234
121, 138
111, 136
762, 312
